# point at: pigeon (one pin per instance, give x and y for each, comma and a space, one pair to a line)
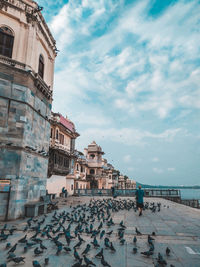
76, 255
46, 261
18, 259
168, 251
3, 265
104, 263
36, 264
8, 245
137, 231
100, 254
112, 248
134, 239
13, 248
88, 261
37, 251
67, 249
147, 253
134, 250
22, 240
87, 249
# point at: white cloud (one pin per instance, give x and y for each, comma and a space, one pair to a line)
155, 159
127, 158
157, 170
171, 169
126, 136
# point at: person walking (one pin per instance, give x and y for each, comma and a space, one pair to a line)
139, 199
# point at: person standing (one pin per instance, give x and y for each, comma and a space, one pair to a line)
139, 199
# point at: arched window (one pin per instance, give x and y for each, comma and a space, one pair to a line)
92, 171
41, 66
57, 134
6, 42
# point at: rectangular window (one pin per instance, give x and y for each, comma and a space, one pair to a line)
72, 186
6, 44
61, 139
66, 162
60, 161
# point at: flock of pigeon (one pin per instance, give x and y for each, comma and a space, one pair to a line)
85, 228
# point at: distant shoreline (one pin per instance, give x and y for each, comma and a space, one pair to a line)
168, 186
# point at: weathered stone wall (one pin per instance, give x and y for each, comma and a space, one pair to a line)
23, 122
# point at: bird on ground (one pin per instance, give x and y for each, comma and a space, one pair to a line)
95, 243
122, 241
46, 261
3, 265
18, 259
11, 256
22, 240
134, 250
147, 253
161, 260
42, 246
102, 234
88, 261
87, 249
8, 245
36, 264
78, 244
78, 264
59, 249
109, 233
104, 263
76, 255
137, 231
67, 249
112, 247
100, 254
13, 248
167, 251
107, 242
134, 239
37, 251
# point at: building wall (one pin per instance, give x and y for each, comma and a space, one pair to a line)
30, 38
25, 105
55, 184
70, 186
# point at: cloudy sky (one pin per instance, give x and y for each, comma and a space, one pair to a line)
128, 76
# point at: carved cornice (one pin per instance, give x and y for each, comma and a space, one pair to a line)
33, 15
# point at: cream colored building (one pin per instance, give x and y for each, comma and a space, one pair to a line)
27, 55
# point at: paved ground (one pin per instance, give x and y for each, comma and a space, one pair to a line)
176, 226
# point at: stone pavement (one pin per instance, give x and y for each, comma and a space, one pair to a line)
176, 226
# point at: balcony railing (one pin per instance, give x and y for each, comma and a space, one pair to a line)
163, 193
12, 62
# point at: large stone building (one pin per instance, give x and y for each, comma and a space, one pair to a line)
27, 54
62, 154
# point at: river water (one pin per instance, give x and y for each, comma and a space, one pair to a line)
190, 193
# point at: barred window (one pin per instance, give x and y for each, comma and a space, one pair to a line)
6, 42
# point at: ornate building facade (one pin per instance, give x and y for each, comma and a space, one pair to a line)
27, 55
62, 154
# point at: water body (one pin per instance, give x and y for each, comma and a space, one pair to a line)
190, 193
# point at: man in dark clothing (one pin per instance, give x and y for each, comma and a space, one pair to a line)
139, 199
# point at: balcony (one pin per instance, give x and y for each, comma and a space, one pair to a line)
42, 86
11, 62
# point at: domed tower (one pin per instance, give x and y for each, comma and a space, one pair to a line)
27, 55
94, 158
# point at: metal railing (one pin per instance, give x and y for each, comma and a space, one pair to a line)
172, 193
